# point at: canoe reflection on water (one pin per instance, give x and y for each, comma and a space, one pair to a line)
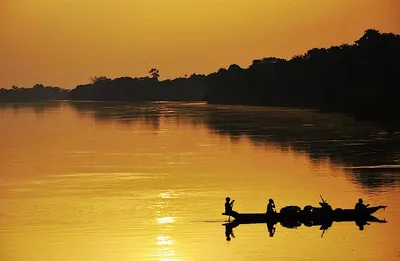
290, 224
294, 216
294, 221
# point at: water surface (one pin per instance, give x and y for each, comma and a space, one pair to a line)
147, 181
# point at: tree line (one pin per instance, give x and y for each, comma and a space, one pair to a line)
101, 88
38, 92
359, 79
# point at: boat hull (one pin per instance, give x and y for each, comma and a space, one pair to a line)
315, 216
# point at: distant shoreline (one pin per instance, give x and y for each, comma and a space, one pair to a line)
359, 80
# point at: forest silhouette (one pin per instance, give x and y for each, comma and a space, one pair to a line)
360, 80
38, 92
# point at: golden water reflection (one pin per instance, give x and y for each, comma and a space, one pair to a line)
164, 240
165, 220
166, 251
76, 188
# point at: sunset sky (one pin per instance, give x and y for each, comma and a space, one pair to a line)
64, 42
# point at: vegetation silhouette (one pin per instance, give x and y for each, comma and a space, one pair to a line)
38, 92
357, 79
142, 89
155, 73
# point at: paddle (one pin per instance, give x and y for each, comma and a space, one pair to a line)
229, 218
323, 200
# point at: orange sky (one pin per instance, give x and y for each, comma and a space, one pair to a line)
64, 42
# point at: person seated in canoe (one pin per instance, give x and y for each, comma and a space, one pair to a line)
325, 205
229, 205
360, 206
271, 207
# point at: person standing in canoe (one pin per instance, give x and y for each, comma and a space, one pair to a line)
360, 205
271, 206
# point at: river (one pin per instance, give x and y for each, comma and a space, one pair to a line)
147, 181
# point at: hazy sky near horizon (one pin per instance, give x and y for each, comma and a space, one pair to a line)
64, 42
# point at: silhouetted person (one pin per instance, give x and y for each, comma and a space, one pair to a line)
361, 223
271, 207
326, 224
271, 228
229, 230
228, 205
360, 205
325, 205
